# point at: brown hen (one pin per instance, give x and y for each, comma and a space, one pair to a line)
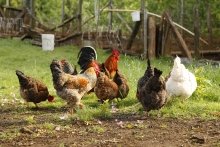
32, 90
105, 89
122, 82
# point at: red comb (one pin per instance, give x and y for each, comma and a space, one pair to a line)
114, 51
64, 60
50, 98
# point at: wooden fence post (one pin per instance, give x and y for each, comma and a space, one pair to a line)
152, 37
80, 23
182, 15
110, 15
62, 15
30, 6
209, 24
146, 56
97, 23
196, 31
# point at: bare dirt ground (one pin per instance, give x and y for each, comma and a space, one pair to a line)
40, 128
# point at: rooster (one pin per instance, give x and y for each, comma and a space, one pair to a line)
105, 89
72, 87
180, 81
111, 63
32, 90
122, 82
87, 56
153, 95
149, 72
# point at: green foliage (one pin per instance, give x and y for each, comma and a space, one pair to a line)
30, 119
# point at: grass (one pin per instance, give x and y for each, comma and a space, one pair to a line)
33, 61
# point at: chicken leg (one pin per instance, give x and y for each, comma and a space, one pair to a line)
71, 111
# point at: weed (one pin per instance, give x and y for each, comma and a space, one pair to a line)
96, 128
30, 119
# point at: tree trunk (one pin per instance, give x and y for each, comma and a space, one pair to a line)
196, 31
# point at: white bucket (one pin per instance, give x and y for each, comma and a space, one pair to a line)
47, 42
135, 16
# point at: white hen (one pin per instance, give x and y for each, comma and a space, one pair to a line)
181, 83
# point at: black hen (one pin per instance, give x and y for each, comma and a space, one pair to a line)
153, 95
149, 72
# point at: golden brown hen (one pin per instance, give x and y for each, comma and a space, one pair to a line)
122, 82
105, 89
72, 87
153, 95
32, 90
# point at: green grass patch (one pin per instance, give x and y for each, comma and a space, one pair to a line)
33, 61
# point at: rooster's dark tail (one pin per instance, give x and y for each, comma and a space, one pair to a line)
86, 55
157, 72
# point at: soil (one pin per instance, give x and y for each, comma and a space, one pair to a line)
45, 128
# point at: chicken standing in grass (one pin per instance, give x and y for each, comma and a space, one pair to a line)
180, 82
32, 90
149, 72
72, 87
153, 95
105, 89
122, 82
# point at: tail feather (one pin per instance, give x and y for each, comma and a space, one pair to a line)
23, 79
67, 67
157, 72
85, 55
56, 74
75, 72
148, 63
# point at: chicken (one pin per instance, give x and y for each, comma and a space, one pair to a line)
153, 95
32, 90
72, 87
181, 82
67, 68
149, 72
105, 89
87, 55
122, 82
111, 63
